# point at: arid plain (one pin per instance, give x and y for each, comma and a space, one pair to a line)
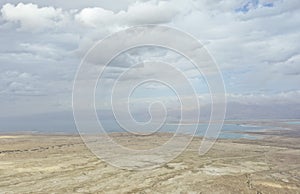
36, 163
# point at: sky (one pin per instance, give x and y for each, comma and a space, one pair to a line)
255, 43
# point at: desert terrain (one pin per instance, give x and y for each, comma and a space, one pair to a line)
39, 163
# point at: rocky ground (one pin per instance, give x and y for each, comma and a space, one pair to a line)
63, 164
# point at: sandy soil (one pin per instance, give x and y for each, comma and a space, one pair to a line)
63, 164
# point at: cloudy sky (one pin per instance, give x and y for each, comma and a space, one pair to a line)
254, 42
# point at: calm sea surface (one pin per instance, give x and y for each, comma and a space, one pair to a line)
228, 130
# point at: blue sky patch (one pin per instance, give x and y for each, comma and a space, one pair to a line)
253, 4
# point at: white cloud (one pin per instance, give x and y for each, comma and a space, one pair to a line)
44, 50
31, 17
19, 83
257, 50
150, 12
291, 97
289, 67
95, 17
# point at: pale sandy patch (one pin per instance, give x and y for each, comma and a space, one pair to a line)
11, 136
